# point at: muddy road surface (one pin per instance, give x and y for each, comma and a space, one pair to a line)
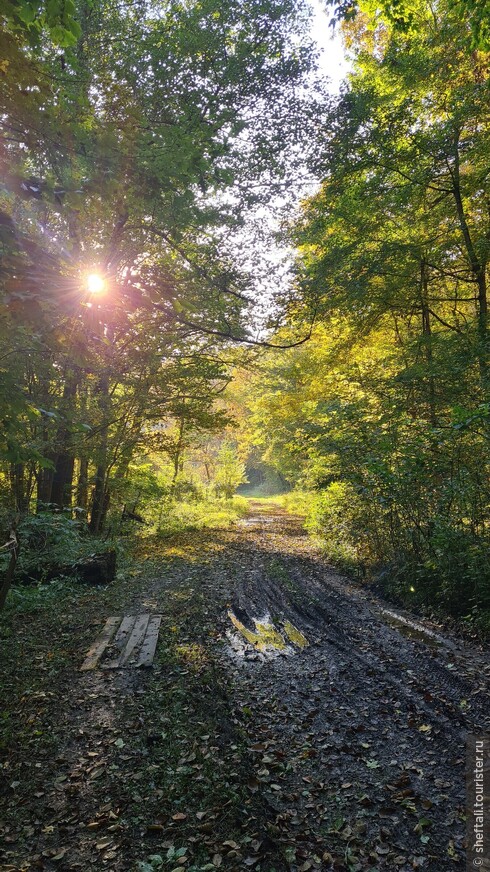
365, 721
290, 721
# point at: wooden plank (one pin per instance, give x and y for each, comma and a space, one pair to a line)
120, 640
149, 645
100, 644
135, 638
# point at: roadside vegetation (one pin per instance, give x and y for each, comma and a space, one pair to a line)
383, 417
141, 389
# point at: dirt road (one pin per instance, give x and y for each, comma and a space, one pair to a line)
371, 717
291, 721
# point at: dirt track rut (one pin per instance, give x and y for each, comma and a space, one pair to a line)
291, 720
364, 730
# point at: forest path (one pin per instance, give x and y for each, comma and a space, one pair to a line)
243, 747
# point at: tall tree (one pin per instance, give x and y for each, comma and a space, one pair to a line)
391, 427
135, 141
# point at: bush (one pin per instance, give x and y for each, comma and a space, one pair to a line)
212, 513
50, 543
453, 574
337, 517
298, 502
442, 563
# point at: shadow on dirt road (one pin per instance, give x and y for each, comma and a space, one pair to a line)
290, 721
362, 733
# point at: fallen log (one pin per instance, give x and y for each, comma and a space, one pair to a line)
96, 568
132, 515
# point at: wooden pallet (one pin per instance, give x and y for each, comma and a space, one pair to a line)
134, 643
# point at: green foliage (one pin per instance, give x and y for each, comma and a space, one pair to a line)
50, 542
297, 502
262, 481
178, 516
404, 16
388, 245
30, 19
383, 415
172, 856
230, 471
338, 518
138, 139
451, 572
387, 493
29, 599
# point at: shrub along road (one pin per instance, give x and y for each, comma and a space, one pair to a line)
290, 720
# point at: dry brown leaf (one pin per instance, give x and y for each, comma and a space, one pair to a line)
103, 844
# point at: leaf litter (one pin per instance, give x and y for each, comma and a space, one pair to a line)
344, 753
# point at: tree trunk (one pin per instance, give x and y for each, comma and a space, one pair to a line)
100, 501
105, 508
18, 485
13, 546
427, 336
100, 496
177, 456
483, 329
478, 268
82, 484
62, 486
44, 485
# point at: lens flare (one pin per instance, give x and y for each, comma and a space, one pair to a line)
95, 283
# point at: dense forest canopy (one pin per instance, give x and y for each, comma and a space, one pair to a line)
143, 145
136, 139
385, 414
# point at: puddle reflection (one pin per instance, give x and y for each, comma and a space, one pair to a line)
266, 638
411, 630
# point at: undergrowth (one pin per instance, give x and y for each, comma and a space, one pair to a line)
442, 569
180, 516
50, 545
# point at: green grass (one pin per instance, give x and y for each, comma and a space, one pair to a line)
200, 515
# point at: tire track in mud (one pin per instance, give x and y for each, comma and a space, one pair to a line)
361, 735
347, 754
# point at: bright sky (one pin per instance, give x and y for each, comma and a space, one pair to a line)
270, 262
329, 41
274, 260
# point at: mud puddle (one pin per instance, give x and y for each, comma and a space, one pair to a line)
254, 521
268, 639
413, 630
